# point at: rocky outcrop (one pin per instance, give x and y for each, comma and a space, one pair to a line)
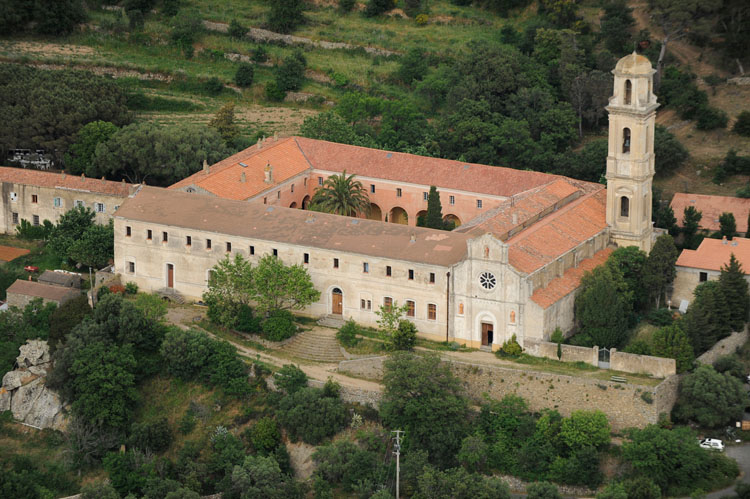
23, 391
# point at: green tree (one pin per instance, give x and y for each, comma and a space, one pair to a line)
264, 435
96, 247
434, 219
290, 75
71, 227
342, 195
421, 394
542, 490
672, 342
691, 219
585, 429
377, 7
742, 125
734, 286
708, 317
615, 490
311, 415
81, 152
290, 378
602, 306
412, 67
405, 337
665, 219
244, 75
669, 151
659, 271
615, 26
727, 225
710, 399
231, 286
282, 287
591, 163
329, 126
236, 30
65, 318
630, 262
389, 318
457, 483
223, 122
286, 15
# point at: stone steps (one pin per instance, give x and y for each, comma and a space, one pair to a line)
332, 321
315, 345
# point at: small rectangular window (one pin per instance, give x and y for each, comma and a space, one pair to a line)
304, 181
411, 274
306, 258
388, 303
15, 218
188, 240
320, 180
369, 305
79, 203
398, 192
410, 308
131, 267
275, 252
252, 250
432, 277
229, 247
703, 276
292, 187
278, 194
432, 312
208, 244
365, 267
149, 234
265, 200
34, 198
372, 188
425, 196
363, 304
479, 203
335, 263
388, 270
128, 231
100, 208
36, 220
452, 199
57, 202
164, 237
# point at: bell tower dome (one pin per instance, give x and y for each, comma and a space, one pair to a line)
630, 160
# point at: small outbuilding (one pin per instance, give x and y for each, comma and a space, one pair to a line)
60, 278
21, 292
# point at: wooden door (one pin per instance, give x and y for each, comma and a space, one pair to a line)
486, 334
337, 303
170, 275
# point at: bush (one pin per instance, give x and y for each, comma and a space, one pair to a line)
405, 337
265, 436
244, 75
247, 322
345, 463
290, 378
742, 125
236, 30
131, 288
730, 364
274, 93
309, 415
377, 7
279, 326
347, 334
155, 436
660, 317
29, 232
213, 86
346, 5
542, 490
291, 73
260, 54
710, 118
511, 347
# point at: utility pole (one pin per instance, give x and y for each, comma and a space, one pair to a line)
398, 453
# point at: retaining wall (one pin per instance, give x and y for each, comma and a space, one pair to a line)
727, 346
570, 353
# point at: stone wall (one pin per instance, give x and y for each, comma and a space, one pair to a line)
658, 367
570, 353
369, 368
348, 393
727, 346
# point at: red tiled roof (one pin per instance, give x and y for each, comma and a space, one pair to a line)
558, 233
61, 180
562, 286
224, 179
712, 254
41, 290
712, 207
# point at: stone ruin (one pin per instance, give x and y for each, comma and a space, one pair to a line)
23, 391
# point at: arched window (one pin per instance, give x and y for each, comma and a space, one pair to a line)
628, 92
624, 206
626, 140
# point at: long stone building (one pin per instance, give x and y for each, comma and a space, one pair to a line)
511, 267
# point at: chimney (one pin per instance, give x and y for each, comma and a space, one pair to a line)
275, 136
242, 178
724, 240
413, 238
260, 143
515, 218
268, 170
206, 168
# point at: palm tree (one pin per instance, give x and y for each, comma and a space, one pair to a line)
341, 195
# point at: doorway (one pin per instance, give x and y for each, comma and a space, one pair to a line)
487, 334
337, 302
170, 275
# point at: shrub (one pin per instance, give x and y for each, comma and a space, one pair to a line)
187, 422
377, 7
244, 75
660, 317
542, 490
273, 92
155, 436
265, 436
279, 326
730, 364
710, 118
131, 288
422, 19
473, 453
345, 463
213, 86
346, 5
511, 347
291, 73
29, 232
260, 54
290, 378
347, 334
246, 320
405, 337
117, 289
742, 125
236, 30
309, 415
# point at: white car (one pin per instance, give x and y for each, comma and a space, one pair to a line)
712, 444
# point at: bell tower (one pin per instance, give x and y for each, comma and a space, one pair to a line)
630, 160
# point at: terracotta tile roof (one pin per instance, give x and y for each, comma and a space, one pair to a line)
292, 226
712, 254
562, 286
712, 207
61, 180
8, 253
559, 232
442, 173
224, 179
41, 290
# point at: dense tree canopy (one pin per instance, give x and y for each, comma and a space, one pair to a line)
710, 399
602, 307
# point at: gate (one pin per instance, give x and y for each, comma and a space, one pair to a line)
603, 358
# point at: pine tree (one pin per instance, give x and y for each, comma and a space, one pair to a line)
434, 219
223, 122
727, 225
734, 286
672, 342
690, 222
707, 320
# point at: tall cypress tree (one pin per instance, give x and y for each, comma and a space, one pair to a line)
734, 286
659, 271
708, 317
434, 219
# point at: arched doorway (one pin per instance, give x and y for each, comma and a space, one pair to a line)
337, 301
421, 218
398, 216
293, 205
375, 212
452, 218
305, 202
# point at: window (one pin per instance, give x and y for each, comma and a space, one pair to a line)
388, 303
320, 180
306, 258
431, 312
278, 194
626, 140
452, 199
292, 187
304, 181
128, 231
13, 196
208, 244
229, 247
148, 234
703, 276
265, 200
117, 207
252, 250
372, 188
628, 92
15, 218
188, 240
365, 304
365, 267
131, 267
432, 277
335, 263
425, 196
164, 237
479, 203
398, 192
36, 220
99, 207
57, 202
411, 274
275, 252
624, 206
34, 198
388, 271
410, 307
79, 203
487, 281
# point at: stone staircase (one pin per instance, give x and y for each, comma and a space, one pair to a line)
171, 295
319, 345
332, 321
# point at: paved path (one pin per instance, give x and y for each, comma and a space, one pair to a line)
741, 454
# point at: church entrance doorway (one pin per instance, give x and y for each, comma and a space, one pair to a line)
337, 302
487, 334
